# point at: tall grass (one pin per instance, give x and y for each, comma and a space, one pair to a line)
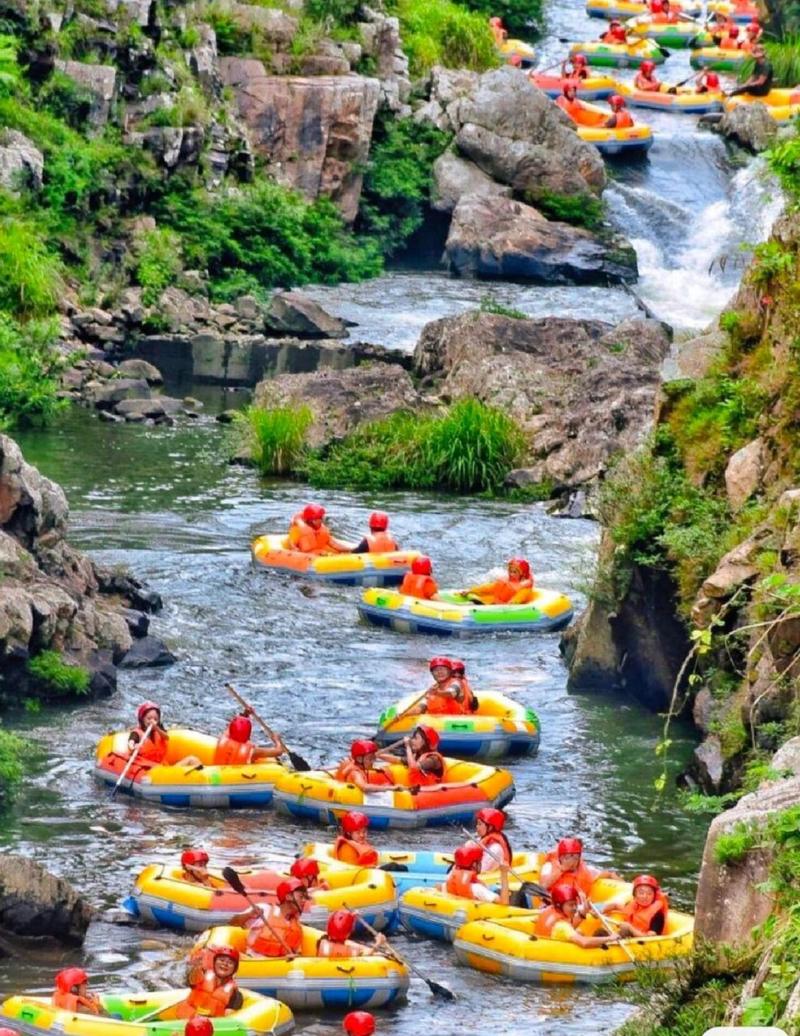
30, 275
29, 369
440, 32
276, 437
784, 57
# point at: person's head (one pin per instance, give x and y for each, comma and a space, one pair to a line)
239, 729
72, 980
468, 857
305, 870
225, 961
616, 102
424, 739
354, 826
648, 68
379, 521
656, 6
292, 896
579, 61
431, 763
195, 862
199, 1026
645, 889
615, 23
489, 819
759, 52
441, 668
518, 568
363, 752
496, 23
148, 714
564, 896
459, 667
569, 90
340, 925
358, 1023
712, 80
733, 31
313, 515
422, 566
753, 29
569, 853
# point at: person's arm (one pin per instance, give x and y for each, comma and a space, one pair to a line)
503, 898
361, 548
240, 920
340, 546
589, 942
236, 1002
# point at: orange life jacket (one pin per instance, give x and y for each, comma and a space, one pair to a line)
423, 587
361, 853
154, 747
615, 36
380, 542
498, 843
210, 997
645, 84
348, 768
310, 541
640, 917
571, 107
459, 883
232, 753
547, 920
261, 940
582, 878
417, 776
74, 1004
328, 948
444, 705
622, 119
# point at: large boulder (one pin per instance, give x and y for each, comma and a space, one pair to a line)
294, 313
313, 133
21, 162
744, 473
99, 80
750, 125
494, 237
34, 902
454, 177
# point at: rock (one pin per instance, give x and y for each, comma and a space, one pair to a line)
100, 80
156, 407
108, 418
248, 308
34, 902
750, 125
735, 569
227, 416
743, 473
138, 622
498, 237
454, 177
105, 396
328, 59
21, 162
149, 651
695, 356
203, 60
277, 26
293, 313
313, 133
380, 36
708, 765
340, 400
140, 12
141, 369
172, 146
787, 759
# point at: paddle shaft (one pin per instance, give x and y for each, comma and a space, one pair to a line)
405, 711
132, 759
488, 849
160, 1010
604, 922
434, 987
297, 761
235, 882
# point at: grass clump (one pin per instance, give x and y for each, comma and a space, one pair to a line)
12, 753
56, 677
578, 209
490, 305
30, 274
158, 264
440, 32
275, 437
29, 369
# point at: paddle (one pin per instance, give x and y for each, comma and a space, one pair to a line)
604, 922
435, 987
159, 1010
235, 882
130, 761
403, 714
297, 761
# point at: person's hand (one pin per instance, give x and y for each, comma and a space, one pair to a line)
415, 789
380, 940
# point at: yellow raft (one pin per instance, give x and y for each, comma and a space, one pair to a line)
317, 795
162, 896
205, 785
272, 553
668, 34
511, 49
309, 982
35, 1016
684, 101
437, 914
619, 55
511, 948
782, 104
624, 9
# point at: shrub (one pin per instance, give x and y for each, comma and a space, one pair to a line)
578, 209
276, 437
439, 32
29, 368
62, 97
159, 263
30, 277
339, 12
12, 753
520, 17
783, 159
56, 676
9, 69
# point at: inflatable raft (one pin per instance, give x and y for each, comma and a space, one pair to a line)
454, 616
510, 947
688, 103
718, 59
782, 104
625, 9
619, 55
226, 787
512, 49
741, 13
499, 727
317, 795
35, 1016
162, 896
308, 982
669, 34
271, 554
436, 914
593, 88
589, 124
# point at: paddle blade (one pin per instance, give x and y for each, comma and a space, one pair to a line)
297, 761
398, 867
233, 879
439, 990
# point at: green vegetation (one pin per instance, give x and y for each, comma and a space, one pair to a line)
158, 264
440, 32
13, 751
29, 366
578, 209
520, 17
490, 305
275, 438
56, 677
29, 272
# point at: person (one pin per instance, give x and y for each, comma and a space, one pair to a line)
359, 1023
732, 40
575, 67
154, 745
447, 695
661, 13
620, 117
559, 920
463, 878
275, 931
198, 1026
235, 748
754, 32
352, 844
498, 31
195, 867
719, 26
337, 943
616, 33
360, 769
496, 847
72, 993
306, 871
460, 673
568, 102
646, 913
426, 766
517, 586
419, 582
565, 864
646, 80
759, 83
309, 534
214, 991
707, 82
378, 540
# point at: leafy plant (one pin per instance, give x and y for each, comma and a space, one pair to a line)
30, 275
337, 12
159, 263
12, 754
65, 99
440, 32
276, 437
10, 71
578, 209
56, 676
520, 17
29, 368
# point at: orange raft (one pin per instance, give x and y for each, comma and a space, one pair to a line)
272, 553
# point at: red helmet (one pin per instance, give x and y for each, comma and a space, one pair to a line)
379, 520
562, 892
522, 565
648, 880
239, 729
648, 67
431, 736
145, 707
468, 856
568, 846
733, 31
194, 858
352, 822
440, 660
712, 80
568, 87
67, 979
288, 888
421, 566
362, 747
198, 1026
359, 1023
225, 951
305, 867
615, 101
754, 27
341, 924
458, 667
579, 59
313, 512
495, 818
656, 6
